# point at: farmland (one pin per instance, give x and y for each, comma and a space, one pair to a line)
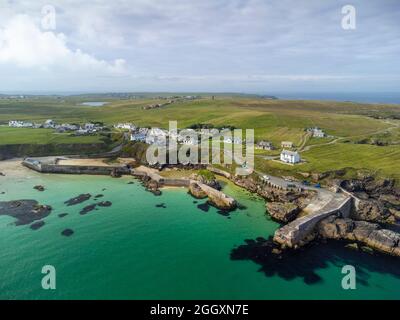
364, 136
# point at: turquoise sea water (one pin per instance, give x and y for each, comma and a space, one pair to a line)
134, 250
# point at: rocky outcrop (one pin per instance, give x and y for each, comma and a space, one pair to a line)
283, 205
196, 191
379, 199
369, 234
210, 181
25, 211
283, 212
221, 201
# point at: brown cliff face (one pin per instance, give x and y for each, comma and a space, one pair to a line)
370, 234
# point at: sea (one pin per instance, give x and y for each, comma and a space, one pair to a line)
167, 247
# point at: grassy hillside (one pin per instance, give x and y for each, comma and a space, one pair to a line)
357, 128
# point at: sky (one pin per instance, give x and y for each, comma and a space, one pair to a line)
253, 46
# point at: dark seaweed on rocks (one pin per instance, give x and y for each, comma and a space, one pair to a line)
88, 209
37, 225
25, 211
67, 232
79, 199
105, 204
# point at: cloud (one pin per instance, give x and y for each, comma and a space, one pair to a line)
25, 45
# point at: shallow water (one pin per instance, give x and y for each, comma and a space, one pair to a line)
94, 104
165, 247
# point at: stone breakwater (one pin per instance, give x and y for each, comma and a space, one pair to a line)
153, 181
51, 166
302, 230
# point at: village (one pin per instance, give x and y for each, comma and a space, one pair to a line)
157, 136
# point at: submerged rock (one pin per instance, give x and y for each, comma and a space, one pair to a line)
79, 199
25, 211
67, 232
39, 188
105, 204
161, 205
62, 215
37, 225
88, 209
204, 207
99, 196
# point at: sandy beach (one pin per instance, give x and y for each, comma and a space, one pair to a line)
14, 168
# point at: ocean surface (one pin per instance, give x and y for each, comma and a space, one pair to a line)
136, 250
363, 97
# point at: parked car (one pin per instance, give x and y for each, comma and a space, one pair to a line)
306, 183
318, 185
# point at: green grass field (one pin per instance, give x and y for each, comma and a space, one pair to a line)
41, 136
354, 126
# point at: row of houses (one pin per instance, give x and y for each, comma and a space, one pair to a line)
316, 132
186, 136
86, 128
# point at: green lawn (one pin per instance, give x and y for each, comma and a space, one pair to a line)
381, 161
41, 136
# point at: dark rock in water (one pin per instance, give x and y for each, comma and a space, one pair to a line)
241, 206
67, 232
130, 182
2, 174
156, 192
88, 209
104, 189
195, 202
37, 225
39, 188
25, 211
204, 207
62, 215
99, 196
2, 192
161, 205
105, 204
79, 199
223, 213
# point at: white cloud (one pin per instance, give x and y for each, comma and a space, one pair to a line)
25, 45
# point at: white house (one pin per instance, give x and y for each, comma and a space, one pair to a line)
20, 124
290, 156
316, 132
138, 136
49, 124
126, 126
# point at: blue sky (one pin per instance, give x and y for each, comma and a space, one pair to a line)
210, 45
